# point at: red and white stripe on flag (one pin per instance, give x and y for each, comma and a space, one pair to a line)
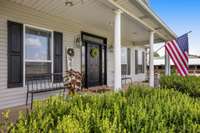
179, 57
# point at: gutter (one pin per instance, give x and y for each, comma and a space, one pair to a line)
151, 12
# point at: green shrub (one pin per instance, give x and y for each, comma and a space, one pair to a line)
139, 109
189, 84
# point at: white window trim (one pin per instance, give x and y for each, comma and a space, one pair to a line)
39, 61
24, 50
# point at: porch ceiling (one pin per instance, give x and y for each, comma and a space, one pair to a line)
95, 13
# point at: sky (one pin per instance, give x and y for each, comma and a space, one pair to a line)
181, 16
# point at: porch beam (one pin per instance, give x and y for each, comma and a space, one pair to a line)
151, 62
146, 42
117, 51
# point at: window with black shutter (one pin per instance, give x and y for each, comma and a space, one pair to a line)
58, 56
39, 57
139, 62
126, 61
15, 54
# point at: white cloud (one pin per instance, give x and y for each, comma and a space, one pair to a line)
33, 42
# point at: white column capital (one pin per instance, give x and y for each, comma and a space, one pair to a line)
152, 32
118, 11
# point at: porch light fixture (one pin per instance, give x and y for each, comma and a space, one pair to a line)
110, 24
77, 41
134, 33
69, 3
144, 17
158, 28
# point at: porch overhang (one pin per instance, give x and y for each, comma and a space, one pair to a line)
137, 18
144, 15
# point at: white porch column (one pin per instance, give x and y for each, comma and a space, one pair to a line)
117, 51
167, 64
151, 62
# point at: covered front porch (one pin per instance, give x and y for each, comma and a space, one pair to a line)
120, 30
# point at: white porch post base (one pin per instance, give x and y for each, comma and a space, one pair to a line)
117, 51
151, 62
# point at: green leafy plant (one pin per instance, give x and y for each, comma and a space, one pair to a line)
5, 124
189, 85
139, 109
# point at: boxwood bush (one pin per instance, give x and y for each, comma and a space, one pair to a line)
139, 109
189, 84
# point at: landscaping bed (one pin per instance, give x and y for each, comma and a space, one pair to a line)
139, 109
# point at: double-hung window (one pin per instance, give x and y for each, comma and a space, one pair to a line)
126, 61
139, 62
38, 51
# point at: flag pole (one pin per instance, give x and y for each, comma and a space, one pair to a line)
188, 32
164, 45
159, 48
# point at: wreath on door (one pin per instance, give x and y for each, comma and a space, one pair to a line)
94, 52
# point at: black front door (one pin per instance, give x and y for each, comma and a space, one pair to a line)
93, 65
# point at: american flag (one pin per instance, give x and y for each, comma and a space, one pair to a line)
178, 52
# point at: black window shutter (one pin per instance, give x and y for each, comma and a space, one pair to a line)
58, 56
136, 62
129, 61
15, 54
143, 62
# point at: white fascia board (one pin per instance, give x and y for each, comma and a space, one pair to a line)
157, 18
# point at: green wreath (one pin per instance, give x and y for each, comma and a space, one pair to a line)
94, 52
